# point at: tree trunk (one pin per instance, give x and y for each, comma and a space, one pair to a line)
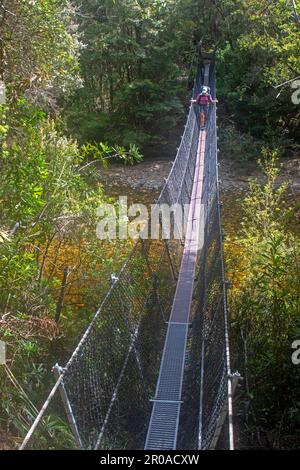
61, 299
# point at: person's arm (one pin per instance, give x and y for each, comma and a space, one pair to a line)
213, 101
193, 100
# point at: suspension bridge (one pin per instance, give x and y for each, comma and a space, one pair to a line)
152, 370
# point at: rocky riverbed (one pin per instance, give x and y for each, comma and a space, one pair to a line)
143, 182
147, 175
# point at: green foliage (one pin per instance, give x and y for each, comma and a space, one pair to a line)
39, 178
136, 58
103, 152
258, 46
265, 302
236, 145
19, 411
39, 47
134, 67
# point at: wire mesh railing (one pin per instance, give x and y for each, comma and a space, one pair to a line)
207, 390
102, 394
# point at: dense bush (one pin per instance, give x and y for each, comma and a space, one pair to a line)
263, 262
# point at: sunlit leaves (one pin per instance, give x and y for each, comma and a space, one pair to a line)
40, 44
265, 302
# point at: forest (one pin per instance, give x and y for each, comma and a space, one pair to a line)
94, 89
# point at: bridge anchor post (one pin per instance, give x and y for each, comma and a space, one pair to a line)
235, 377
57, 370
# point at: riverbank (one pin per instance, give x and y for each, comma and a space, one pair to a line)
236, 175
147, 177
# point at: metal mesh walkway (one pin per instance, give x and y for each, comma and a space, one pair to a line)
163, 428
